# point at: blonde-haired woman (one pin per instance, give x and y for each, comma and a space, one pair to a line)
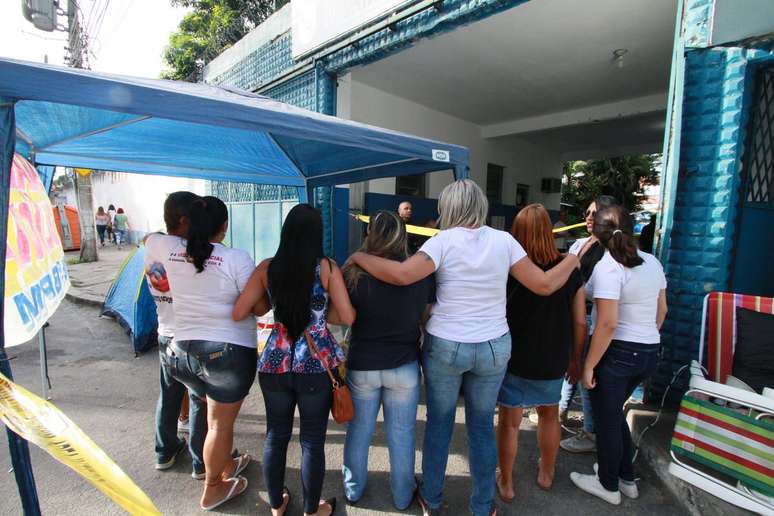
383, 363
467, 343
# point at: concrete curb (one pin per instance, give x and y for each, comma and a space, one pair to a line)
84, 300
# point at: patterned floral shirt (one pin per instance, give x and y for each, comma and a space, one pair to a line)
276, 355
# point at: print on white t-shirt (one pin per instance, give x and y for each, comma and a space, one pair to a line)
203, 301
158, 284
472, 267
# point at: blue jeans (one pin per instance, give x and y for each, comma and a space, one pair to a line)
313, 396
120, 236
569, 390
479, 369
623, 366
167, 411
398, 390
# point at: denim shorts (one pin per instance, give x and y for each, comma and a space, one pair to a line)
221, 371
518, 392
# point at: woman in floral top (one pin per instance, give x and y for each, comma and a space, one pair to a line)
301, 285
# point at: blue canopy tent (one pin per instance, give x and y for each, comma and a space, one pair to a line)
78, 118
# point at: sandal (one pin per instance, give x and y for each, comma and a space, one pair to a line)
332, 503
285, 491
232, 493
242, 462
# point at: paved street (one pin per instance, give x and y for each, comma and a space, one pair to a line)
111, 395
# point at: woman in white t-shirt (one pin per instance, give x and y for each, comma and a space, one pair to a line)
213, 355
467, 343
628, 289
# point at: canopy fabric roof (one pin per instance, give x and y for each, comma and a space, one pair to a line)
81, 118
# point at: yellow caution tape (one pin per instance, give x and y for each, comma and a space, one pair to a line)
420, 230
44, 425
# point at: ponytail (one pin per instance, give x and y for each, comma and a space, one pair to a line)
613, 228
206, 219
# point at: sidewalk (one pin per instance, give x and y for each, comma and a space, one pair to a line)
90, 282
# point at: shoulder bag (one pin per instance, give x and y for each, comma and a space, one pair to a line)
342, 409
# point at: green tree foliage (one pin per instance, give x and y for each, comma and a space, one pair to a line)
625, 178
208, 29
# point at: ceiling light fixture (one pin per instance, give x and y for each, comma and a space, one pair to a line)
618, 56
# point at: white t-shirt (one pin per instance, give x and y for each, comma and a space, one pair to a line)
158, 284
472, 267
578, 245
204, 300
636, 290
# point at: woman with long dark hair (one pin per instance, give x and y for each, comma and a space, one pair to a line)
213, 356
383, 366
589, 251
467, 344
301, 284
547, 333
628, 289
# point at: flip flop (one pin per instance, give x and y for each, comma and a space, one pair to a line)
286, 491
332, 503
232, 493
242, 462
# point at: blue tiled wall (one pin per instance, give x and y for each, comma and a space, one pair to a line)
715, 108
260, 66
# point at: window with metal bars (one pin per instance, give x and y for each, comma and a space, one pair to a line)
759, 147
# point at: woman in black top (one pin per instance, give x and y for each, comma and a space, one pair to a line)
382, 366
547, 333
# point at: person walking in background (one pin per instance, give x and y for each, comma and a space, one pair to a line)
383, 365
301, 284
214, 356
111, 211
628, 289
560, 238
547, 334
467, 344
120, 227
173, 394
590, 251
101, 220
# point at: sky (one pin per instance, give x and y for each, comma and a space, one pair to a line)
131, 39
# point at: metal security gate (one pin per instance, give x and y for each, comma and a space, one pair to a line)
753, 271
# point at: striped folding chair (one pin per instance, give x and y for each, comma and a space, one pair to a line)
726, 452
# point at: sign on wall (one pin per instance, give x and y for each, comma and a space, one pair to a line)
316, 22
36, 277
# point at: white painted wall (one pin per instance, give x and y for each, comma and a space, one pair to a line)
524, 162
141, 196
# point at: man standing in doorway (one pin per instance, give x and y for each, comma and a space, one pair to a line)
405, 210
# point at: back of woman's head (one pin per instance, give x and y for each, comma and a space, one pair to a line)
177, 208
292, 270
613, 228
605, 201
100, 211
120, 210
462, 204
386, 238
111, 208
532, 228
206, 219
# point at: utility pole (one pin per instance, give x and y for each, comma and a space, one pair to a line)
85, 200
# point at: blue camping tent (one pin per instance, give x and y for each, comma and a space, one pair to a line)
130, 302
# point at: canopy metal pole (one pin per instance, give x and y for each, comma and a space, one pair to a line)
45, 381
20, 451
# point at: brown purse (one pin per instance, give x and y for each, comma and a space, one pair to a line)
342, 409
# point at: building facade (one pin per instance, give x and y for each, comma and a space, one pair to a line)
528, 85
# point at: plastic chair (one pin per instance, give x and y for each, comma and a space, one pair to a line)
723, 441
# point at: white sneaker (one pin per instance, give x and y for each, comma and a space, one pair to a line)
627, 488
591, 484
533, 417
582, 442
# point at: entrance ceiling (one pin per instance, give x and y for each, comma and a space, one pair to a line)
544, 56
